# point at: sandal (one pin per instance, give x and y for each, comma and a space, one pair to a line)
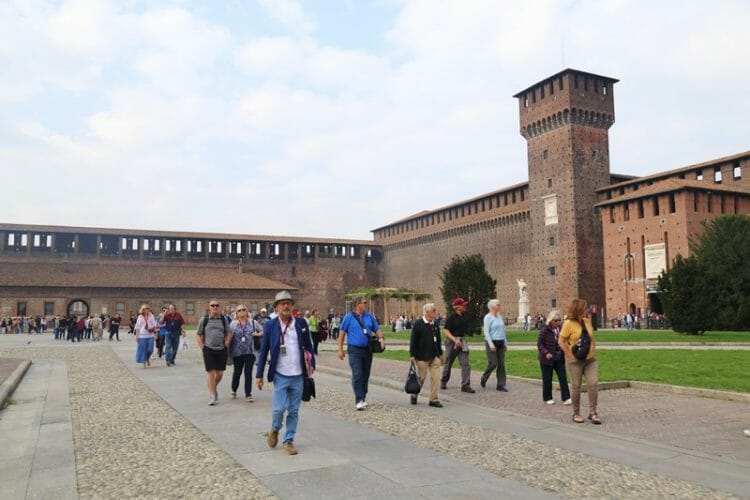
577, 419
595, 419
234, 395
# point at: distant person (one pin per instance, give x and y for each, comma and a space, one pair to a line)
314, 322
174, 324
161, 338
456, 346
244, 329
357, 328
114, 326
552, 359
132, 324
213, 338
287, 340
572, 330
145, 330
496, 344
426, 351
629, 323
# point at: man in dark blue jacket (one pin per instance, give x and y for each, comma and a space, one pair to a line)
287, 339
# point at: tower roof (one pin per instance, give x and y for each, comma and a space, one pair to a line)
563, 72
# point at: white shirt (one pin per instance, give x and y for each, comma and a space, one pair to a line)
289, 364
142, 325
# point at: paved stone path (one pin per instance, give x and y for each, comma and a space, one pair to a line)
149, 433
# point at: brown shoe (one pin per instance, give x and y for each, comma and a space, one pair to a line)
273, 438
290, 449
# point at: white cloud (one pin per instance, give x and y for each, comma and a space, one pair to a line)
290, 14
166, 102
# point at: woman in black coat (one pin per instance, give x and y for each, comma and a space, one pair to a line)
551, 359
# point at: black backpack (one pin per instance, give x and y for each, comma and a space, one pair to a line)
583, 346
223, 322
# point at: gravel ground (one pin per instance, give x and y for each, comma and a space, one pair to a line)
131, 444
538, 465
121, 427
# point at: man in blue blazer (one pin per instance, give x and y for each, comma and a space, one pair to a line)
288, 340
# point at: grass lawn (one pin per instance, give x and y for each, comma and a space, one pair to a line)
723, 370
604, 336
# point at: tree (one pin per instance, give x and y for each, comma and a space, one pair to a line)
467, 277
682, 295
710, 290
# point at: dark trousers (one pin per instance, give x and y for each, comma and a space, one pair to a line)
114, 332
160, 344
316, 341
360, 361
496, 362
557, 366
463, 359
243, 364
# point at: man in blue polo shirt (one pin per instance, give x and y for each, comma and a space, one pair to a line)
358, 327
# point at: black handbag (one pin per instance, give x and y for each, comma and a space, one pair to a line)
308, 388
375, 345
582, 347
412, 385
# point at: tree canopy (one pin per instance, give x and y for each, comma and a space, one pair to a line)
467, 277
710, 290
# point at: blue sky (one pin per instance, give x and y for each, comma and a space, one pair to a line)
331, 118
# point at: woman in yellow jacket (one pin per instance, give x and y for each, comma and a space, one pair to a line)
575, 321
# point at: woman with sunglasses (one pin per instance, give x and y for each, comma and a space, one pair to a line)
551, 359
244, 329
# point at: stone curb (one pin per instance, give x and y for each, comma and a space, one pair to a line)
10, 384
739, 397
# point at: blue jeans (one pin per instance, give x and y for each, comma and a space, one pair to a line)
360, 361
287, 396
172, 345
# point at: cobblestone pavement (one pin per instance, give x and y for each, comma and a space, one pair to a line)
129, 443
700, 424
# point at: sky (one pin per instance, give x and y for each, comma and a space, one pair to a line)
332, 118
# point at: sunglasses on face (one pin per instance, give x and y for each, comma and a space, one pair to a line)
214, 305
241, 309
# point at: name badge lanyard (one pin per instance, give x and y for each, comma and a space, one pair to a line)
283, 334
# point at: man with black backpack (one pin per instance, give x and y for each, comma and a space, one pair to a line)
213, 338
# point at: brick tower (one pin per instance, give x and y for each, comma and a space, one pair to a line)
565, 120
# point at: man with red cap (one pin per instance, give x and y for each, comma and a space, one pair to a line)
456, 329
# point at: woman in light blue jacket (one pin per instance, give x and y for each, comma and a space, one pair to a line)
495, 344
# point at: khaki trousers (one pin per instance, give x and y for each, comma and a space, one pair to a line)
578, 370
434, 367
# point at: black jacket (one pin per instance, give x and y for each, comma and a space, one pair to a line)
425, 344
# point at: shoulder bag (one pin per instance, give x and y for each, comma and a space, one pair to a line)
582, 347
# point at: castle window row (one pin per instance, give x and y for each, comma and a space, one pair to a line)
191, 248
702, 201
455, 213
721, 173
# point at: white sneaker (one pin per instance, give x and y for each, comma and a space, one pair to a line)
568, 402
364, 403
211, 402
747, 432
550, 401
360, 405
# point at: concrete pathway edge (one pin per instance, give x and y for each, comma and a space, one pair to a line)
10, 384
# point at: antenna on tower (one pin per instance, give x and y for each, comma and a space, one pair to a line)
562, 47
